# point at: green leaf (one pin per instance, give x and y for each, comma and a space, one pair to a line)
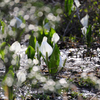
32, 41
40, 36
17, 63
38, 4
89, 36
64, 62
41, 31
53, 63
52, 31
2, 47
30, 52
23, 20
45, 32
68, 6
46, 21
20, 31
11, 71
3, 26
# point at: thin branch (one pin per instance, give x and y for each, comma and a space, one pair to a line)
95, 96
77, 12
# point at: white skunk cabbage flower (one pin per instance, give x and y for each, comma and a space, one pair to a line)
63, 82
9, 81
84, 30
77, 3
45, 47
60, 64
55, 38
15, 47
21, 75
35, 61
16, 22
84, 20
44, 39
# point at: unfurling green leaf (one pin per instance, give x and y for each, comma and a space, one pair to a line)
53, 63
2, 47
68, 6
30, 52
89, 36
32, 41
52, 31
3, 26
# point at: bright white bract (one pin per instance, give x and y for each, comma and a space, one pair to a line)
15, 47
77, 3
55, 38
21, 75
84, 30
35, 61
84, 21
63, 82
44, 39
45, 47
9, 81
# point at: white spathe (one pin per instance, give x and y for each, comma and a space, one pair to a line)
21, 75
63, 82
9, 81
35, 61
44, 39
16, 22
15, 47
45, 47
84, 30
55, 38
84, 20
77, 3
